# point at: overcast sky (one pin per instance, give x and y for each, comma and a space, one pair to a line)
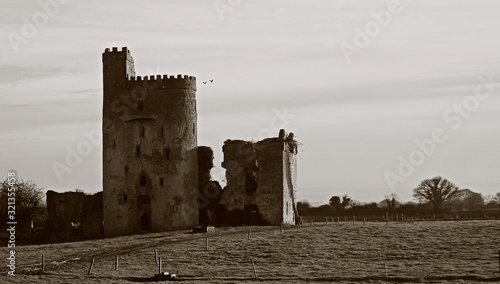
356, 81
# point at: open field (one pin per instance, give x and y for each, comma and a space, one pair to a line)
414, 252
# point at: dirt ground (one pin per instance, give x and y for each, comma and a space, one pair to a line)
409, 252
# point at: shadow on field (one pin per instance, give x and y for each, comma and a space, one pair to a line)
155, 279
326, 279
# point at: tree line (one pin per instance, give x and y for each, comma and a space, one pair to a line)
432, 196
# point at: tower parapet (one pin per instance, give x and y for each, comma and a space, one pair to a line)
114, 53
130, 81
158, 82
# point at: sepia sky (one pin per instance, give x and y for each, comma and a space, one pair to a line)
380, 94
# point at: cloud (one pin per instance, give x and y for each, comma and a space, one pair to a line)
12, 74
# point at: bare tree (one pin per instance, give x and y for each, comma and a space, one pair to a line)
391, 200
435, 190
346, 201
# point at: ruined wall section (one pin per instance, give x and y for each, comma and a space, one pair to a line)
150, 175
290, 181
210, 191
261, 180
269, 197
82, 210
240, 164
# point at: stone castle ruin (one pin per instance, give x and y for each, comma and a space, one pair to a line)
150, 168
261, 181
74, 215
155, 176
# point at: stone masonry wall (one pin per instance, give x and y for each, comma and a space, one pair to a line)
261, 180
150, 176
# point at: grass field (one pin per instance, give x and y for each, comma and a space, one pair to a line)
413, 252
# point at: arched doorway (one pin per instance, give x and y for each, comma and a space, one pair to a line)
145, 222
144, 210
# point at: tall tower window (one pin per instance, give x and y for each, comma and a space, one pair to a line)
125, 198
167, 153
126, 169
161, 131
114, 143
142, 181
161, 181
143, 131
138, 150
140, 105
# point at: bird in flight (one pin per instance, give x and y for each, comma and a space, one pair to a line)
204, 82
211, 81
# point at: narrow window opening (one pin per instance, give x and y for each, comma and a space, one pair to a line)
142, 131
161, 131
126, 170
194, 130
125, 197
140, 105
161, 181
114, 143
138, 150
142, 181
167, 153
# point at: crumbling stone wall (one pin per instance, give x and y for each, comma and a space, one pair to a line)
150, 175
261, 181
210, 191
74, 215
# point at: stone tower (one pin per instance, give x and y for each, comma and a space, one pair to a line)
150, 178
261, 181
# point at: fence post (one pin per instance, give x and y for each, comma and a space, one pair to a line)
254, 271
159, 265
43, 262
91, 266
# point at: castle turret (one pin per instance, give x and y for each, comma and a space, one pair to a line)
150, 178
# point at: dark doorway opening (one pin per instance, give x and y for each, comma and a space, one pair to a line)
145, 222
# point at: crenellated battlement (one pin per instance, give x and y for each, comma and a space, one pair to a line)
153, 82
159, 82
114, 54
